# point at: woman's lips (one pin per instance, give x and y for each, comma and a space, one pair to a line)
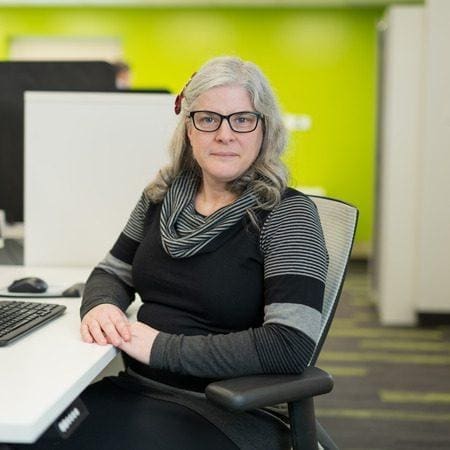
224, 154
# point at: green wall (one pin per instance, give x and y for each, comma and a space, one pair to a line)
322, 62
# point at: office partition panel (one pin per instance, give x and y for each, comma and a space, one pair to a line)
88, 157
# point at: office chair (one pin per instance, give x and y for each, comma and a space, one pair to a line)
339, 222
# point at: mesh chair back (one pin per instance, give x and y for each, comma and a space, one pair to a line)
339, 221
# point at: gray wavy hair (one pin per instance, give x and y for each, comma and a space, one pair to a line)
267, 176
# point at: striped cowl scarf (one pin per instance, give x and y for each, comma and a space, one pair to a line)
185, 233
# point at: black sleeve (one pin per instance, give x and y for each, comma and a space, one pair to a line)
103, 287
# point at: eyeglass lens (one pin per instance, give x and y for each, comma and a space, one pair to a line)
241, 122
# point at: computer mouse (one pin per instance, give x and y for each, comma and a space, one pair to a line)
75, 290
28, 285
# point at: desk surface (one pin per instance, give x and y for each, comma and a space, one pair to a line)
43, 372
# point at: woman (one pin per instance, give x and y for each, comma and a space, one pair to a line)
230, 265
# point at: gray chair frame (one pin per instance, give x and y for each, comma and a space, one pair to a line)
339, 221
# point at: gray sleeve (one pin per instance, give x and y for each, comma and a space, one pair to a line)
117, 267
211, 356
286, 351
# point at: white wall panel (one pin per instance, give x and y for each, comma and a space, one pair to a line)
88, 156
398, 164
413, 233
434, 201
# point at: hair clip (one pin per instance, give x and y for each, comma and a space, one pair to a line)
180, 96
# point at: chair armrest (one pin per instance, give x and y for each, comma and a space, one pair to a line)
243, 393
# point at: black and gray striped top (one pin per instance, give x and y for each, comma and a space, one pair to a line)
248, 302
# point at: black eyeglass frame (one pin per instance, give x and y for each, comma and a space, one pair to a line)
258, 115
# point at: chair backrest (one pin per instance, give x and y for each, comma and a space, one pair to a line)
339, 220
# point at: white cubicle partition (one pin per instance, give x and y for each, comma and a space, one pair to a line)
88, 157
413, 235
400, 144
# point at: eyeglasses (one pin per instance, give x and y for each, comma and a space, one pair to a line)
240, 122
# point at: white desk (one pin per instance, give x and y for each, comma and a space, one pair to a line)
43, 372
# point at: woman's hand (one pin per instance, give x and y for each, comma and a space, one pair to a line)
139, 346
105, 324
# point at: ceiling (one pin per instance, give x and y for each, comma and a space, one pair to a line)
144, 3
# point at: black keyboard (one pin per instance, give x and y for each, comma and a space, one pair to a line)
19, 318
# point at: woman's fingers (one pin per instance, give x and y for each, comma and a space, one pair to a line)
96, 332
123, 328
105, 324
85, 334
140, 344
110, 331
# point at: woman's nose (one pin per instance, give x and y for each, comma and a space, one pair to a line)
224, 132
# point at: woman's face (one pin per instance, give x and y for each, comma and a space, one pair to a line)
224, 155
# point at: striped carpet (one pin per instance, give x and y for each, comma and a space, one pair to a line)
392, 384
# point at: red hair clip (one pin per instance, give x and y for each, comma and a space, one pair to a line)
180, 96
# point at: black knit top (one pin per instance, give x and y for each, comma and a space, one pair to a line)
249, 302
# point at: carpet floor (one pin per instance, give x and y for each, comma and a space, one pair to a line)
392, 384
